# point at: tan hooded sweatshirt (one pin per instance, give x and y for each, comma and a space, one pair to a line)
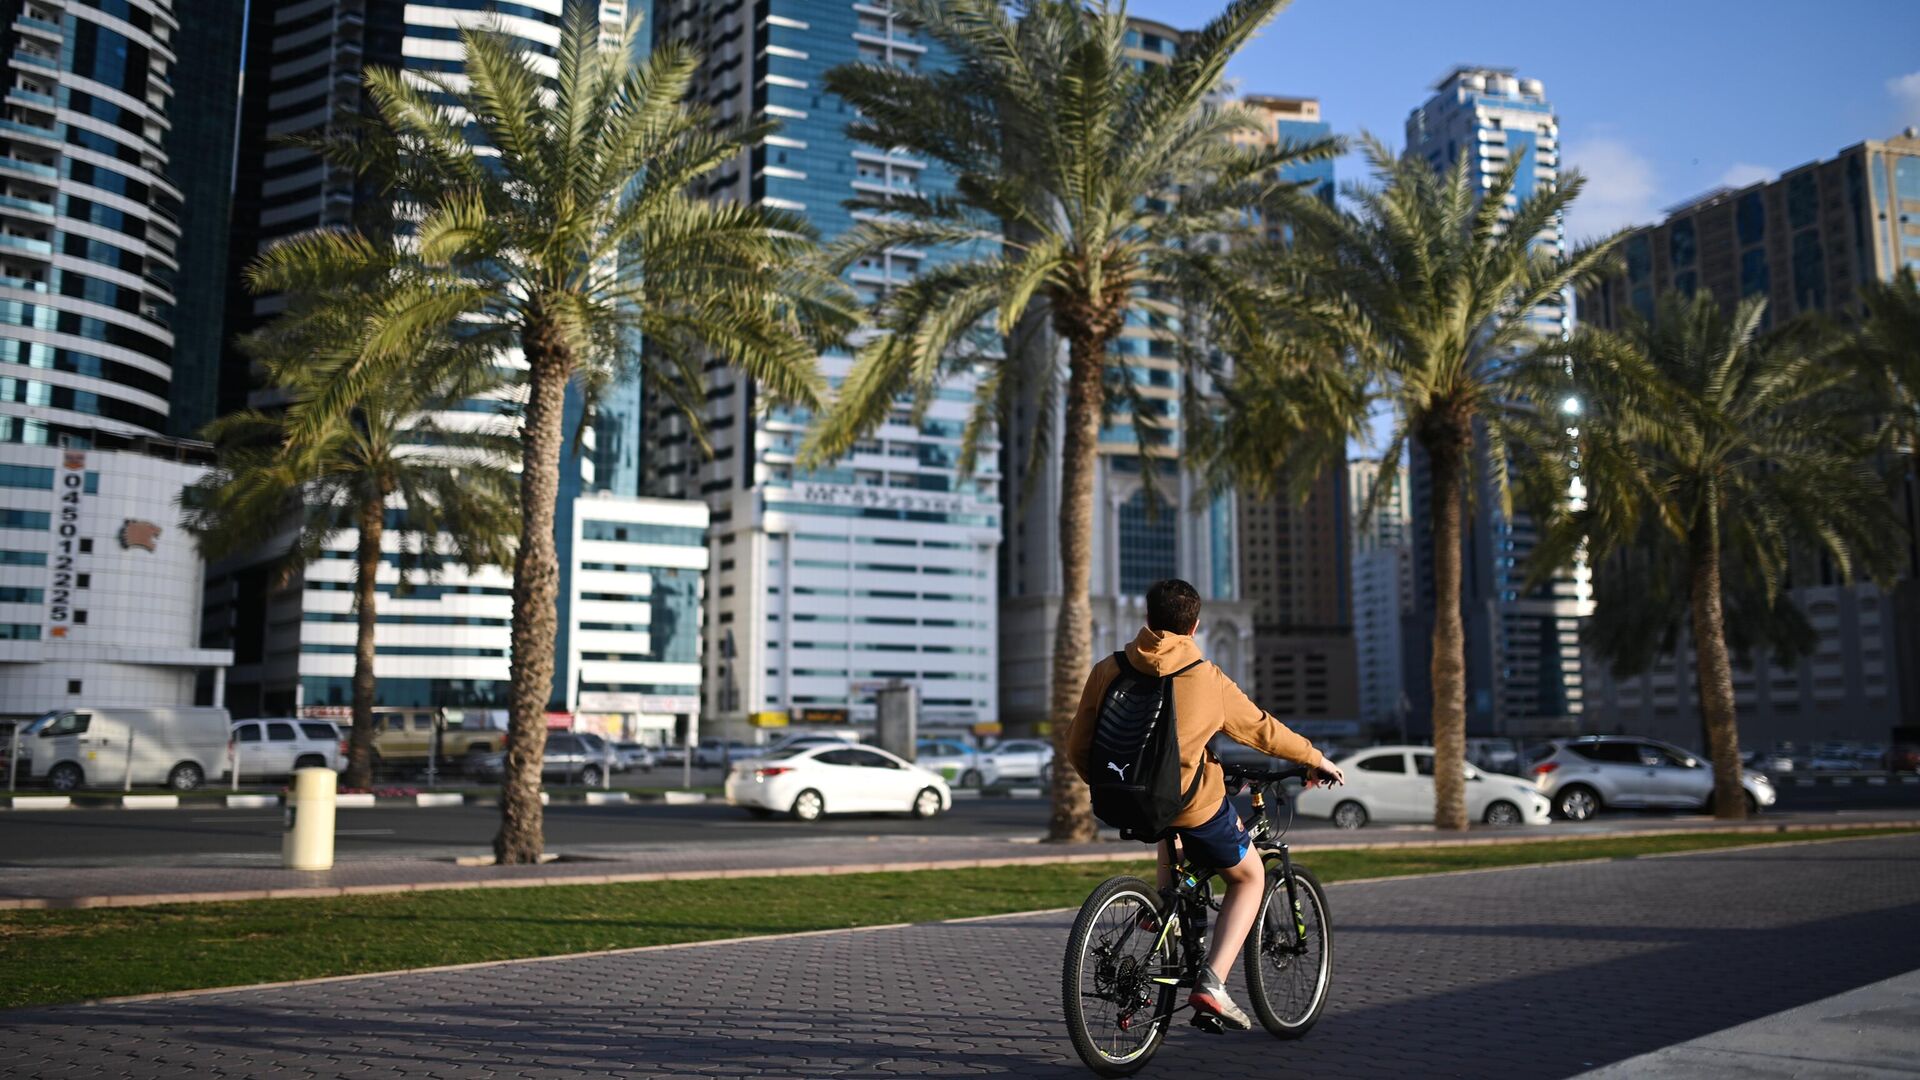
1205, 703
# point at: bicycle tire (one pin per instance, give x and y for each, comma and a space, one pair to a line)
1103, 910
1274, 976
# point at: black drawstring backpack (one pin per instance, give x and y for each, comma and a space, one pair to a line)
1133, 766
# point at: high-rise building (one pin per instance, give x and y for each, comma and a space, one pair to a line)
830, 583
99, 587
1295, 556
1141, 532
1806, 241
1522, 645
200, 146
1382, 593
621, 653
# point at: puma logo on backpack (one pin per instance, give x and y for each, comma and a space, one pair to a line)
1137, 735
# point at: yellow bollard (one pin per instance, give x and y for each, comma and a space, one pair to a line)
309, 840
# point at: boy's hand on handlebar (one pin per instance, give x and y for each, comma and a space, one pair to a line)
1326, 774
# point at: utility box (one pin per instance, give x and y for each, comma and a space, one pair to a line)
308, 844
899, 719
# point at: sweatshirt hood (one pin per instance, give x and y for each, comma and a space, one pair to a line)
1161, 652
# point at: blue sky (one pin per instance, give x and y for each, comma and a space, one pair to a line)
1658, 100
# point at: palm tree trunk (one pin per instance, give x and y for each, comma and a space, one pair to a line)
1072, 820
536, 586
366, 577
1714, 674
1448, 450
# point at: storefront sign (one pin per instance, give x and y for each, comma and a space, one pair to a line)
70, 487
881, 498
823, 716
768, 719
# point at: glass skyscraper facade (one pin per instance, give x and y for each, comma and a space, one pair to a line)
881, 567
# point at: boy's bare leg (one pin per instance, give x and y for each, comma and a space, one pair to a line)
1237, 911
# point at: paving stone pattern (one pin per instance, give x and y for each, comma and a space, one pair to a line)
1541, 972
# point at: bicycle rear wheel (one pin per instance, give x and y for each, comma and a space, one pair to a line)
1290, 960
1117, 1012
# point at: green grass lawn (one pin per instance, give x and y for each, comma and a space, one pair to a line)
55, 956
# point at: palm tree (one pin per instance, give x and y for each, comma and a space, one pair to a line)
559, 211
1083, 185
284, 471
1430, 283
1705, 445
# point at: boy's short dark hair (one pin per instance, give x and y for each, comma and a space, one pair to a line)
1173, 606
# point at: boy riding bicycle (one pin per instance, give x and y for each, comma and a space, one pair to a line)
1206, 703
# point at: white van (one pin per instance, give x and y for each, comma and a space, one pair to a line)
179, 748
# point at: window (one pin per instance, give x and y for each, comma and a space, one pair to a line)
867, 759
396, 723
68, 724
1423, 764
1146, 543
1614, 753
73, 685
1385, 763
323, 732
281, 733
422, 722
247, 733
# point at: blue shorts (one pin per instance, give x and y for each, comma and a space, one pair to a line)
1219, 842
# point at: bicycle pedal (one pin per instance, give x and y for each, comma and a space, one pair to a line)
1209, 1023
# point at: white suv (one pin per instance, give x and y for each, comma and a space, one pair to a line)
275, 747
1584, 775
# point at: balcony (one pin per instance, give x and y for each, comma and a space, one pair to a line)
27, 245
27, 24
32, 208
14, 165
34, 59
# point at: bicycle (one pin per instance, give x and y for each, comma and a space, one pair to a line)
1134, 947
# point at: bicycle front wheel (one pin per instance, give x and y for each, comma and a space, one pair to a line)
1290, 955
1117, 987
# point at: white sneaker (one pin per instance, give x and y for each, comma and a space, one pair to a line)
1210, 998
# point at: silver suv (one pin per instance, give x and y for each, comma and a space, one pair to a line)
1584, 775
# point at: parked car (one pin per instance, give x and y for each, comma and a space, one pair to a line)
407, 739
1771, 762
1395, 784
82, 747
834, 737
273, 747
960, 764
571, 757
670, 754
1495, 755
634, 756
718, 753
1585, 775
1020, 759
809, 781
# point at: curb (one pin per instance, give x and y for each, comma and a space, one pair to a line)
1126, 853
150, 802
363, 800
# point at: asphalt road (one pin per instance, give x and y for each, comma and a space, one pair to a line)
245, 837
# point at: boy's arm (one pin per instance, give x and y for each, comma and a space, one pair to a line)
1251, 725
1080, 731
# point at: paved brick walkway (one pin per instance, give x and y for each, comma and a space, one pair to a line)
1541, 972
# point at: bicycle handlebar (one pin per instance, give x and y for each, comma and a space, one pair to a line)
1252, 775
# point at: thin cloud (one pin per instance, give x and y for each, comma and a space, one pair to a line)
1905, 90
1620, 187
1743, 173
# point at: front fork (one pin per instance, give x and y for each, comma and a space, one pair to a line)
1262, 834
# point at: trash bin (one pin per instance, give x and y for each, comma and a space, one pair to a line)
309, 841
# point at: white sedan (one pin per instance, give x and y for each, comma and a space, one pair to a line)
808, 781
1395, 784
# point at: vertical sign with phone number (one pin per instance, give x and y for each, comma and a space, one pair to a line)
70, 485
